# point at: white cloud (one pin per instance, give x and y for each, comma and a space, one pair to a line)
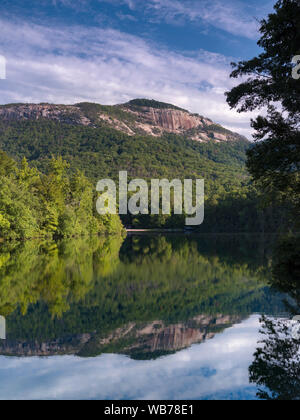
233, 16
229, 16
218, 367
74, 63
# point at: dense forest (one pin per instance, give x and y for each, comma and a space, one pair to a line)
34, 205
233, 204
101, 152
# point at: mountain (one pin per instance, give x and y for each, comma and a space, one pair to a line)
146, 138
155, 339
137, 117
137, 340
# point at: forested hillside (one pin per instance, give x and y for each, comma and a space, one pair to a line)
104, 151
101, 151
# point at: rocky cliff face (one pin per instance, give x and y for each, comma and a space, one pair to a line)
155, 337
61, 113
150, 118
60, 346
157, 121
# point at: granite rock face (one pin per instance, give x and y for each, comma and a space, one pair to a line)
157, 121
131, 120
133, 339
62, 113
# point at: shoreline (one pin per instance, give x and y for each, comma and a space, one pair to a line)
154, 230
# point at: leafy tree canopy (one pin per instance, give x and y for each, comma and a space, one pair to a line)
274, 161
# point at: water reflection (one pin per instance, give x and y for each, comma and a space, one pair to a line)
149, 297
217, 368
276, 365
2, 328
57, 274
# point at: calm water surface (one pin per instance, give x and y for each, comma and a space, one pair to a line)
149, 317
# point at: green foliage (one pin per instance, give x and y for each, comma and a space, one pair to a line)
274, 161
232, 204
276, 366
102, 152
53, 205
228, 209
92, 111
286, 271
57, 273
137, 103
52, 290
7, 165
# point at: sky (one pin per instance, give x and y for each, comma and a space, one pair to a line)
112, 51
215, 369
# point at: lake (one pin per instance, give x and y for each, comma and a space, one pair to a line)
174, 317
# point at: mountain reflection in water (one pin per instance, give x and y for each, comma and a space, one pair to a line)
145, 297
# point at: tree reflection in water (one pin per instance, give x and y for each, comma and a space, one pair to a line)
148, 296
276, 366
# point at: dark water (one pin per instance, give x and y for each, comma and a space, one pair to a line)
151, 317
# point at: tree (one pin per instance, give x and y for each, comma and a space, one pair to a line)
34, 205
286, 272
276, 365
274, 161
7, 165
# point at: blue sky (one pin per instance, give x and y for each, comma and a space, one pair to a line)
110, 51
